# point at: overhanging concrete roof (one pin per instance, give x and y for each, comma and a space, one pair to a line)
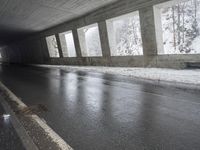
21, 17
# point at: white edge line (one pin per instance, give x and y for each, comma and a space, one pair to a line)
55, 137
50, 132
26, 140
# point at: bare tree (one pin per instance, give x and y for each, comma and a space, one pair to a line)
174, 30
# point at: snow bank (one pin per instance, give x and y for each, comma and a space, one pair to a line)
178, 78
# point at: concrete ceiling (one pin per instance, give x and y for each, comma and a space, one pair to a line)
22, 17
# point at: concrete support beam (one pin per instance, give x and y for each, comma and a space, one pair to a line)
44, 49
63, 45
59, 45
158, 29
82, 43
76, 43
148, 31
148, 36
104, 39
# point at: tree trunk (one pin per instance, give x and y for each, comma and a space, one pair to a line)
183, 38
195, 18
195, 10
174, 30
179, 22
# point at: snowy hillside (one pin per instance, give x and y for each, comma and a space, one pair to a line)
181, 27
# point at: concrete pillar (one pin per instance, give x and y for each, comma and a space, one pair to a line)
82, 43
158, 29
76, 43
59, 45
148, 35
148, 31
104, 39
63, 45
45, 50
112, 39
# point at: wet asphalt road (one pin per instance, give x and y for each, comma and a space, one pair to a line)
93, 111
9, 139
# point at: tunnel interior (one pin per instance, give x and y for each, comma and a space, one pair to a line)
100, 74
129, 33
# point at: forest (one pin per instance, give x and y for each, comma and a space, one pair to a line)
127, 34
180, 26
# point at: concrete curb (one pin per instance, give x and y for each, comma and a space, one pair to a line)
167, 83
23, 135
50, 133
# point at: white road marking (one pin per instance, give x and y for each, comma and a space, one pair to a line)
55, 137
20, 130
50, 132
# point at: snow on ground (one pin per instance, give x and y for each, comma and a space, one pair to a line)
196, 44
180, 78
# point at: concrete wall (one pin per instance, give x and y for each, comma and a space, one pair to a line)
34, 49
